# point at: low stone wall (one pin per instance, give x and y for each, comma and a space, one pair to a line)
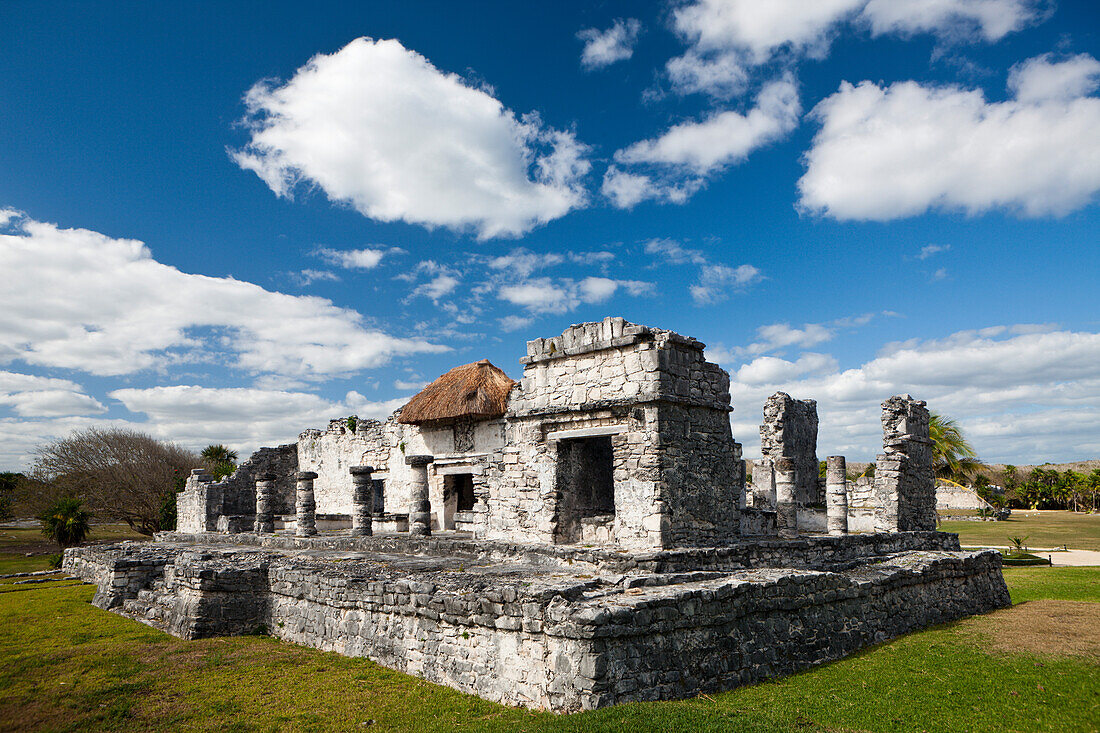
552, 639
726, 633
117, 574
823, 552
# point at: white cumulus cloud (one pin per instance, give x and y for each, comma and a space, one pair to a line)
716, 282
890, 152
355, 259
34, 396
673, 166
88, 302
603, 48
196, 416
561, 295
991, 20
1021, 394
726, 37
377, 126
1041, 78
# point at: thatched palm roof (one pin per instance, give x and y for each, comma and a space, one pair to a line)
478, 391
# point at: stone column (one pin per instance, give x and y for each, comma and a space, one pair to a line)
265, 503
763, 484
836, 495
420, 507
362, 500
904, 488
305, 506
786, 510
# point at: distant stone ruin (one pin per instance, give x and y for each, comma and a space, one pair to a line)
580, 538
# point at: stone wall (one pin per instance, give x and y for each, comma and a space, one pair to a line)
330, 453
203, 501
861, 505
904, 486
282, 462
462, 448
701, 473
789, 430
677, 471
813, 553
198, 505
958, 497
564, 640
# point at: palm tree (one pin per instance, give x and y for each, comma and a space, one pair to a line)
66, 522
218, 454
952, 455
221, 460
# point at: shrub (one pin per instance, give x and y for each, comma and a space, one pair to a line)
67, 522
222, 469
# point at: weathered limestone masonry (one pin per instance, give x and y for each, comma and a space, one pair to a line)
203, 501
786, 509
526, 626
861, 505
789, 430
420, 507
305, 514
646, 398
362, 512
265, 503
836, 494
905, 493
570, 541
763, 484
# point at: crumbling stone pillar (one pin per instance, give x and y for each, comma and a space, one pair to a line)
786, 508
904, 488
789, 430
763, 484
420, 507
362, 501
836, 495
265, 503
305, 506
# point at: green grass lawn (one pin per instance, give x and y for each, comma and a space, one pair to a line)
67, 666
1043, 529
15, 544
1060, 584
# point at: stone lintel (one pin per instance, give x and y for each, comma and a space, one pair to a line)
449, 469
595, 432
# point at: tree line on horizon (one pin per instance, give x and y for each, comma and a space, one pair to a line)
113, 475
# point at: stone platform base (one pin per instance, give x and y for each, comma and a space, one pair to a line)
559, 628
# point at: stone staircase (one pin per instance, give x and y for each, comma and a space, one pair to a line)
152, 606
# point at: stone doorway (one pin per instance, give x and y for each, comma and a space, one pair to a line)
458, 496
586, 490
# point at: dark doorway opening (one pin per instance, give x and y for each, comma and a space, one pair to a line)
379, 486
458, 496
586, 484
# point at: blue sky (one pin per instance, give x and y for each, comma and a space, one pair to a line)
844, 199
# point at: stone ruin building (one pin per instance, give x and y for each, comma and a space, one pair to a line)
580, 538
